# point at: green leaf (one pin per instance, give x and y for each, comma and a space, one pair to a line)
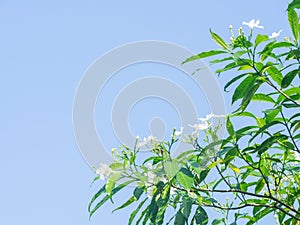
143, 215
270, 114
294, 4
275, 74
294, 22
260, 185
282, 44
171, 168
219, 40
218, 221
153, 210
242, 88
101, 191
289, 92
234, 168
154, 159
127, 203
185, 178
264, 146
234, 80
231, 66
203, 175
289, 77
262, 214
241, 42
204, 55
186, 207
256, 209
262, 97
220, 60
114, 191
262, 129
248, 96
243, 186
230, 128
138, 191
95, 179
179, 219
134, 212
296, 127
248, 114
201, 216
261, 38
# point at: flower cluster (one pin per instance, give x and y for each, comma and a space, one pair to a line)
148, 142
203, 125
253, 24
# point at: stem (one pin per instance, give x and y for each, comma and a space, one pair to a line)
282, 93
251, 194
289, 131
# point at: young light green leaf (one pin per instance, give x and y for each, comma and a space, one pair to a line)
219, 40
294, 22
261, 38
110, 184
185, 178
171, 168
116, 166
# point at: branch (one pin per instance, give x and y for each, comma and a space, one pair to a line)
250, 194
289, 131
282, 93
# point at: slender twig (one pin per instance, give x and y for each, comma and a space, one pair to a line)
281, 92
289, 131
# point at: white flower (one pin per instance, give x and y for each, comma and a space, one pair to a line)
149, 166
200, 126
178, 133
211, 115
275, 34
104, 171
149, 139
253, 24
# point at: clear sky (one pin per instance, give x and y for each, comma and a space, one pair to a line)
45, 48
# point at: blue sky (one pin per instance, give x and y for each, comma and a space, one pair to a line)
45, 48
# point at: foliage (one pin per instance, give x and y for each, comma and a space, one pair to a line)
256, 166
